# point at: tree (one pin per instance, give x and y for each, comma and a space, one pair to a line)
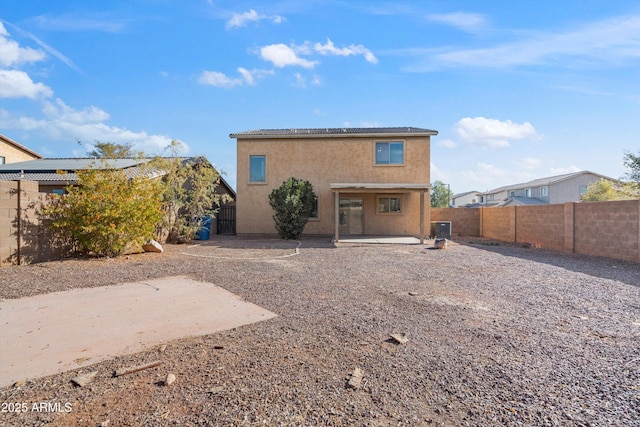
189, 193
632, 162
106, 212
440, 195
293, 203
111, 150
607, 190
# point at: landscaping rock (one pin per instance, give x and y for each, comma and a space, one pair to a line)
153, 246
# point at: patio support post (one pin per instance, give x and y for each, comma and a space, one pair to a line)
336, 217
422, 217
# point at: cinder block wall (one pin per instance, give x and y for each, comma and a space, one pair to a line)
541, 224
464, 221
499, 223
34, 245
609, 229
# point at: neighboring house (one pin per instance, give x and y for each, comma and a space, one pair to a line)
370, 181
11, 151
551, 190
466, 199
46, 172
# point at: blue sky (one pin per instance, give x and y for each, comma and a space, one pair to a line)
517, 90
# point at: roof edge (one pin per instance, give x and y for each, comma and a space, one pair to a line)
20, 146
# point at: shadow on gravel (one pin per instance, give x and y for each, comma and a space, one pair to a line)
606, 268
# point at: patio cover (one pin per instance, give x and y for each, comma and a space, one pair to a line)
337, 188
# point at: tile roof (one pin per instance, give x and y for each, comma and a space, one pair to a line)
329, 132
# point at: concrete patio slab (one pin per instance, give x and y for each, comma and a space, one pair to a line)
382, 240
52, 333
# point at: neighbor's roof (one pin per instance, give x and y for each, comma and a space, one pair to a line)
545, 181
20, 147
334, 132
46, 170
455, 196
521, 201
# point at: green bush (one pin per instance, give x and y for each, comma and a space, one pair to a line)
106, 212
293, 204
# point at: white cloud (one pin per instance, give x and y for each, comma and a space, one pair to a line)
12, 54
490, 170
241, 19
330, 49
218, 79
613, 40
470, 22
80, 23
282, 55
492, 133
18, 84
447, 143
65, 123
300, 81
529, 163
562, 171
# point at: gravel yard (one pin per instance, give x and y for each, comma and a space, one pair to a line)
498, 335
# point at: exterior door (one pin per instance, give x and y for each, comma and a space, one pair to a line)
351, 216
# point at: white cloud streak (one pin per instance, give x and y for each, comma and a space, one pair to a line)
239, 20
469, 22
330, 49
218, 79
65, 123
605, 42
11, 54
492, 133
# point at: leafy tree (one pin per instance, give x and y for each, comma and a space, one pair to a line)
632, 162
607, 190
189, 193
440, 195
106, 211
111, 150
293, 204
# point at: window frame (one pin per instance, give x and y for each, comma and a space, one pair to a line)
544, 191
250, 181
388, 143
389, 197
527, 193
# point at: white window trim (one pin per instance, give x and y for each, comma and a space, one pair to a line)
404, 153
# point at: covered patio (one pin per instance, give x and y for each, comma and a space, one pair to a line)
381, 189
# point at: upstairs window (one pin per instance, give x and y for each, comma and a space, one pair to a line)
257, 169
389, 153
527, 193
583, 189
2, 161
544, 191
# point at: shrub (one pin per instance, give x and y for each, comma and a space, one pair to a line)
293, 203
106, 211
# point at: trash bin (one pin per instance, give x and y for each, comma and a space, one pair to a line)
204, 230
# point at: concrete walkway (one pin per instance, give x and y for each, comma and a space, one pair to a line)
52, 333
382, 240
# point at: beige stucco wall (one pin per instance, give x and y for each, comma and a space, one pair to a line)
323, 161
13, 154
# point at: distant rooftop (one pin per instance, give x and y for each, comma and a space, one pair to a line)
544, 181
20, 147
334, 132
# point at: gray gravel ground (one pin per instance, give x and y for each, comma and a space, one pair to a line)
498, 335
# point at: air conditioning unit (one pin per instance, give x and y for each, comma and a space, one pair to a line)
441, 229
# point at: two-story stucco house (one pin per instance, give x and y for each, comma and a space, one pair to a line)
11, 151
370, 181
550, 190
